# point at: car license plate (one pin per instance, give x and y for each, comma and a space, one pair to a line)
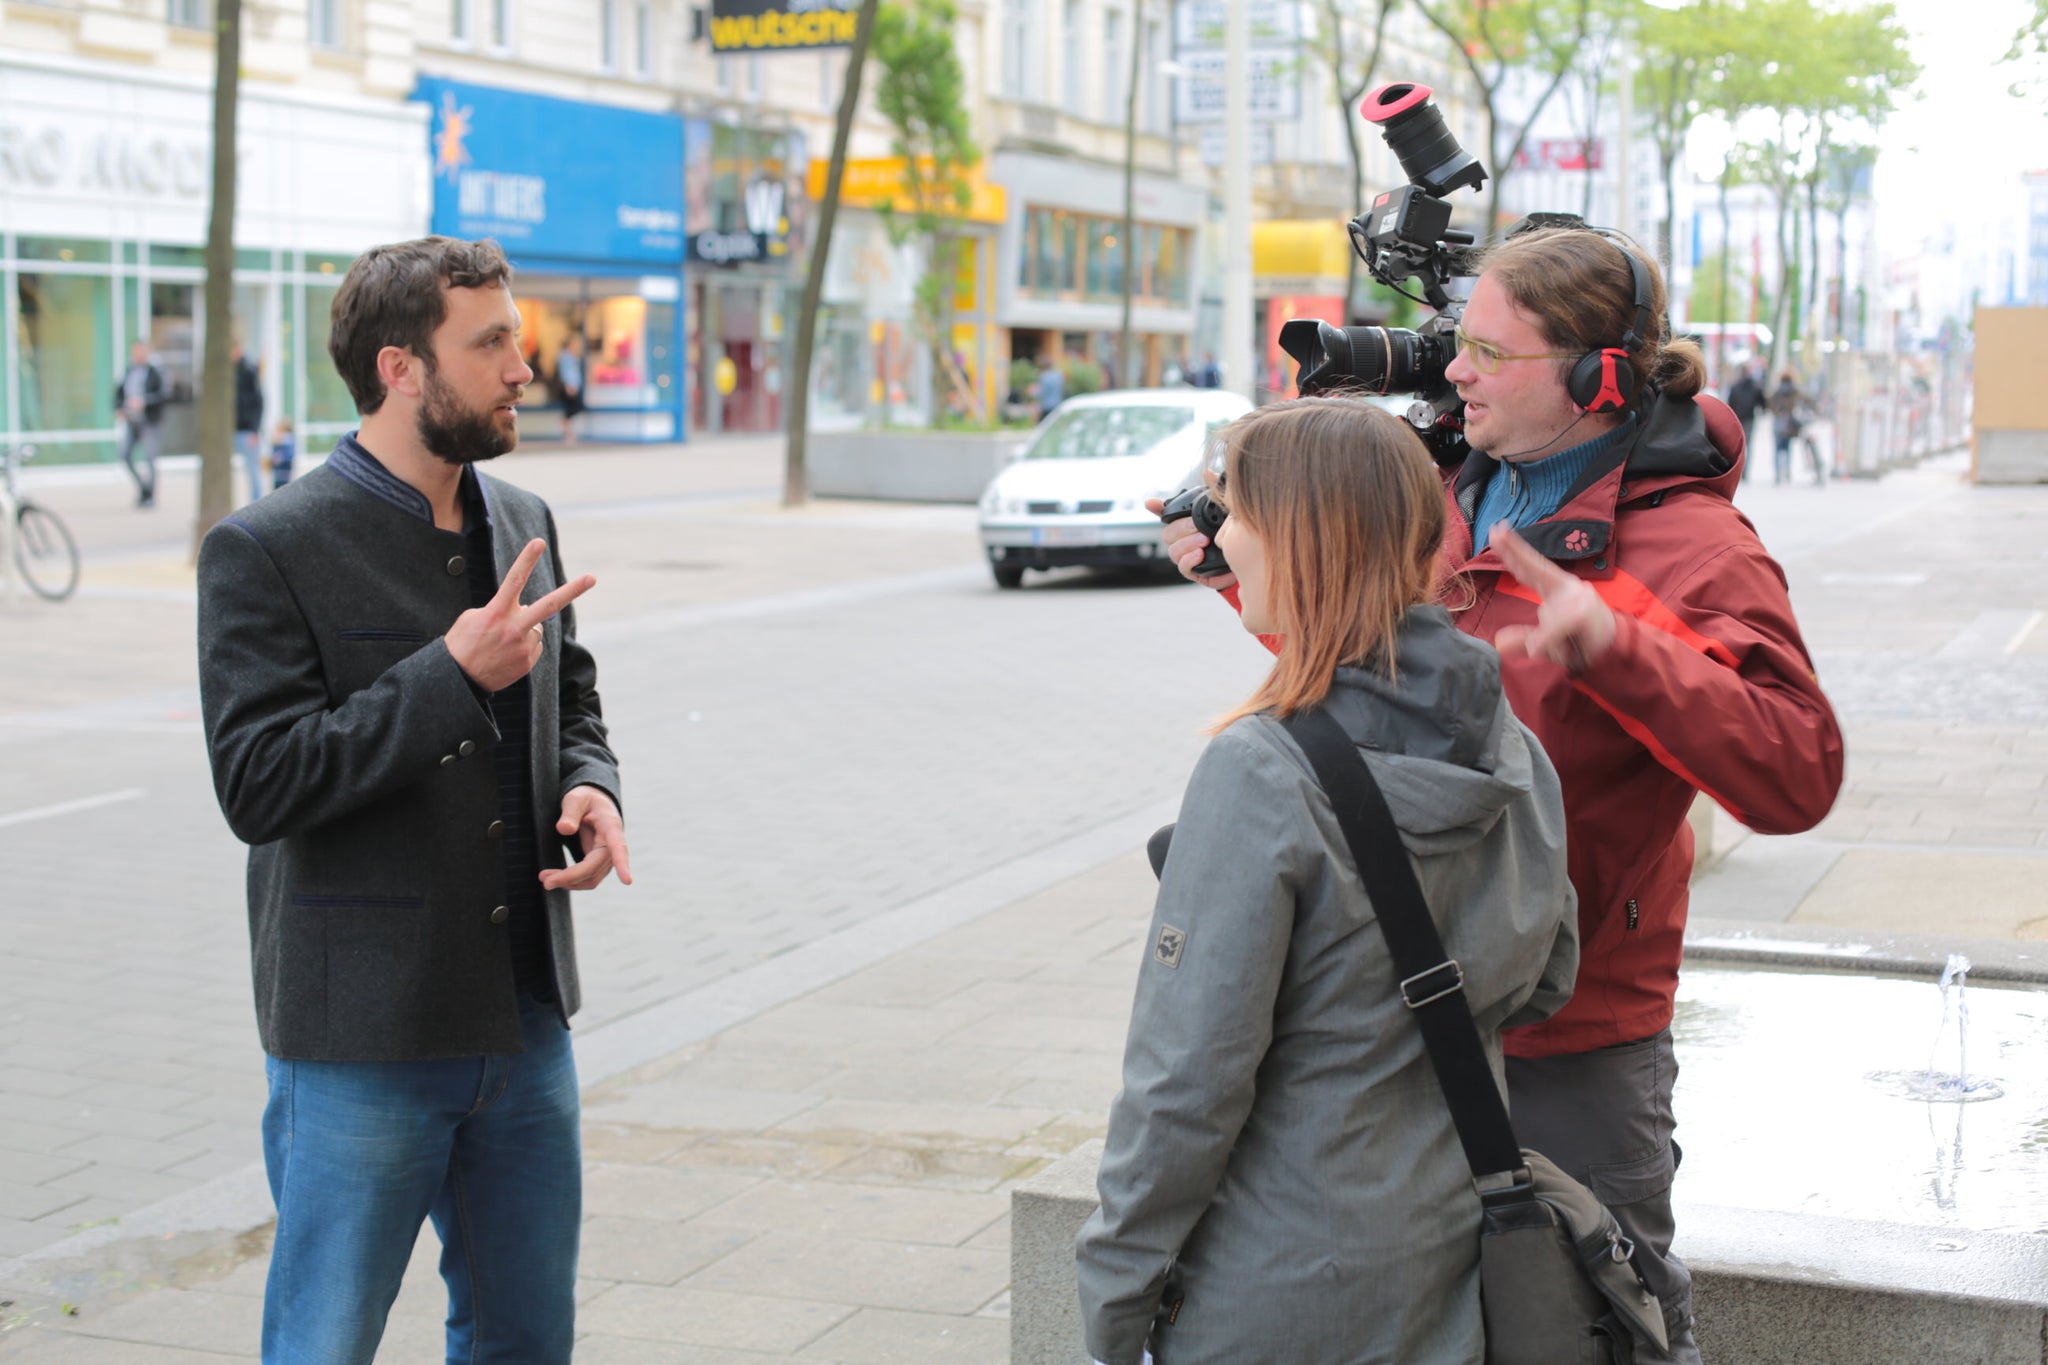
1066, 535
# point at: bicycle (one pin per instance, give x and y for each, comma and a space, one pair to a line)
43, 549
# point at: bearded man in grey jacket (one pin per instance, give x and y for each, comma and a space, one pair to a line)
404, 729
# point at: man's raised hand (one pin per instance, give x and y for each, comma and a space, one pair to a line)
498, 643
1573, 626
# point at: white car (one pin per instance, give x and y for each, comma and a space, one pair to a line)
1076, 494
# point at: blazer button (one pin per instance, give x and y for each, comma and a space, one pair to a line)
466, 748
496, 831
446, 759
500, 915
455, 567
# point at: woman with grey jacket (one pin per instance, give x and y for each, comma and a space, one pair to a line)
1282, 1181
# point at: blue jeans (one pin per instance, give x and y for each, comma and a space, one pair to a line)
361, 1153
249, 445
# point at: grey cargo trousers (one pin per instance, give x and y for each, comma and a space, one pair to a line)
1605, 1118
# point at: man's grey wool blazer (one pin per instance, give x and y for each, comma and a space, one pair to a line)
355, 759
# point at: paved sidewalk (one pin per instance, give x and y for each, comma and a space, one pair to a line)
825, 1182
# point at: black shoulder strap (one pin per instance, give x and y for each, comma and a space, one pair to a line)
1431, 983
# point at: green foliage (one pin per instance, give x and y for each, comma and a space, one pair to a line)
922, 94
1538, 40
1023, 374
2032, 39
1707, 303
1082, 376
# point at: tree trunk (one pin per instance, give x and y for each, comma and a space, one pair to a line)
1727, 252
796, 487
217, 372
1814, 319
1123, 340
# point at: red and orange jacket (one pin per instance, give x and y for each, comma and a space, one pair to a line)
1707, 687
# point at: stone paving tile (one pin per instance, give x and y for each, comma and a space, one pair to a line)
872, 1273
830, 1209
782, 1156
649, 1251
193, 1320
25, 1203
661, 1192
876, 1336
605, 1350
45, 1347
704, 1317
939, 1124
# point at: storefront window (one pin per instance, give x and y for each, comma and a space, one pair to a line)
60, 249
661, 353
327, 397
191, 256
1067, 254
67, 375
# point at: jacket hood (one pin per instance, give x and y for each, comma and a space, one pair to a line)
1439, 737
1679, 441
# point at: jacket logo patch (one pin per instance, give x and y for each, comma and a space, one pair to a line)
1576, 542
1171, 942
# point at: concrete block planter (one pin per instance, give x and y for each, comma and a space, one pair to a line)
912, 466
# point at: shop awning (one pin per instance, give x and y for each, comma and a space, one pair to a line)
1299, 249
873, 181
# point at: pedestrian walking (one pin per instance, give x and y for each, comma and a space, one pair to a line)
1745, 396
249, 420
1787, 421
284, 450
569, 380
1207, 375
1282, 1179
1052, 387
405, 730
1646, 637
139, 402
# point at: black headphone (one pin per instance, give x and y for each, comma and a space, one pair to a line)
1606, 380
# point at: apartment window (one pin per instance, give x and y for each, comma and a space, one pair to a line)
191, 13
608, 34
829, 69
1116, 66
1020, 30
1152, 96
1072, 48
458, 21
323, 23
643, 38
753, 75
501, 24
725, 73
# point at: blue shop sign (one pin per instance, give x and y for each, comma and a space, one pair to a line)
556, 178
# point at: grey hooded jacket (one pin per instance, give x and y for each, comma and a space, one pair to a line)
1282, 1180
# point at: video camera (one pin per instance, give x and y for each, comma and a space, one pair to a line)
1406, 235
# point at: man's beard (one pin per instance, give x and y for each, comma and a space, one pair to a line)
461, 435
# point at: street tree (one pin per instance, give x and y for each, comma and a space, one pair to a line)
1843, 73
1689, 61
1353, 69
921, 92
796, 483
1507, 47
217, 369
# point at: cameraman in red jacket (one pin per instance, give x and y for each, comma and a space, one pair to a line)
1648, 640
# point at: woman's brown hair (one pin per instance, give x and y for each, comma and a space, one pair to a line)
1351, 513
1577, 285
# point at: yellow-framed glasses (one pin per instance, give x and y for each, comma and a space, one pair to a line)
1487, 360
